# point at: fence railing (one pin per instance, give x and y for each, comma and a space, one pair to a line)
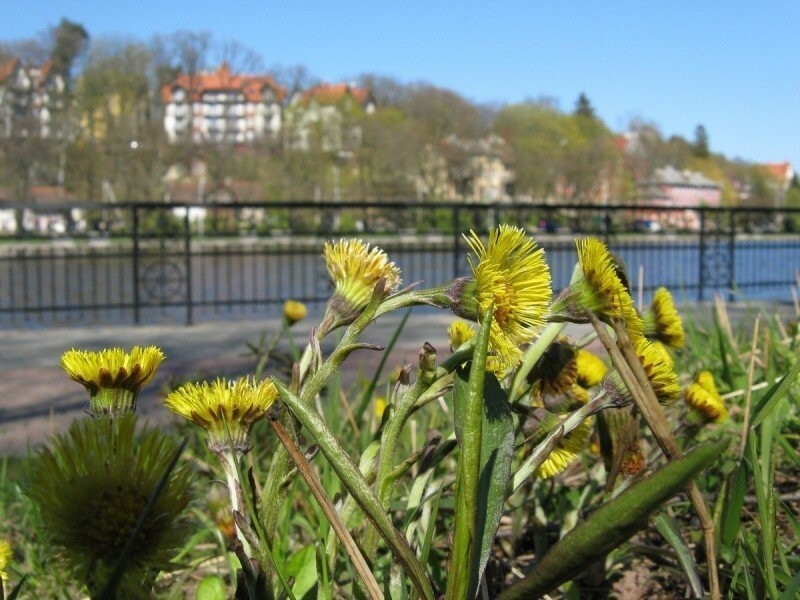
153, 262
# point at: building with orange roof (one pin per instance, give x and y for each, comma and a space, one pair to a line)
30, 97
222, 107
782, 173
319, 115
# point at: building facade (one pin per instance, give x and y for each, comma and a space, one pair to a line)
222, 107
30, 99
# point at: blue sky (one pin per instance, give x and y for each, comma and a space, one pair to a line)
732, 66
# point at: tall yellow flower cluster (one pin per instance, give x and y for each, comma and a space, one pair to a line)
511, 276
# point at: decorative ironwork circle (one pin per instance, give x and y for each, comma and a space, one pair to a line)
163, 280
716, 266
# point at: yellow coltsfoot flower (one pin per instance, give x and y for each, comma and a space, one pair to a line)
600, 287
460, 332
567, 450
112, 376
225, 409
510, 275
355, 269
5, 560
660, 374
294, 311
662, 321
704, 399
591, 368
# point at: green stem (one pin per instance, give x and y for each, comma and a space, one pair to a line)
546, 446
355, 483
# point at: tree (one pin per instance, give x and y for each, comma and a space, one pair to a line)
69, 41
700, 145
584, 108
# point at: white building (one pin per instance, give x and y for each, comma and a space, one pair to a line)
221, 106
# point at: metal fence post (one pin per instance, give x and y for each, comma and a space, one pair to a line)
701, 254
731, 253
456, 239
135, 234
187, 252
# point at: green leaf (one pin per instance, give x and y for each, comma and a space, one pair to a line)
497, 450
468, 416
732, 511
212, 587
770, 400
612, 524
302, 566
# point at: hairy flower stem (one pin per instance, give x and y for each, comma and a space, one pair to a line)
403, 407
630, 369
354, 482
546, 446
228, 460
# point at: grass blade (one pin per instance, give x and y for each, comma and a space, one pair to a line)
668, 528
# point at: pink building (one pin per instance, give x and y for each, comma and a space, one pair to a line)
674, 189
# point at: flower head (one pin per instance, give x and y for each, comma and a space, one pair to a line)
355, 269
112, 376
601, 288
510, 275
225, 409
662, 321
567, 450
5, 560
294, 311
660, 374
92, 486
591, 368
460, 332
702, 396
380, 406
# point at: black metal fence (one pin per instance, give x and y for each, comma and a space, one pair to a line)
148, 263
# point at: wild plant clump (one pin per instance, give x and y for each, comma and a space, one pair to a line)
517, 463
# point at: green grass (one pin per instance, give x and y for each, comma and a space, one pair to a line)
752, 491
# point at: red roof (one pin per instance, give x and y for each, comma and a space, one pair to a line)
332, 93
780, 171
7, 68
222, 80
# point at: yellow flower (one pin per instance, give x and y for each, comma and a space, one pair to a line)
511, 275
704, 398
554, 379
5, 560
591, 368
380, 406
602, 290
665, 355
355, 270
567, 449
112, 377
662, 321
460, 332
225, 409
294, 311
661, 374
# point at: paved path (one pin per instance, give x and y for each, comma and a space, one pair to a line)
37, 398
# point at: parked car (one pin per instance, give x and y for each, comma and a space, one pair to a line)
647, 226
